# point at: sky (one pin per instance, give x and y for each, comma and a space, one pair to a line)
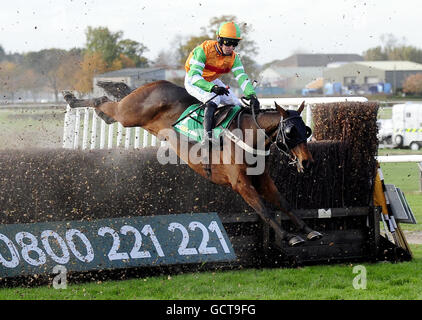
280, 28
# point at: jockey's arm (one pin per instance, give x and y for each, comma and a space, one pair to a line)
242, 78
197, 65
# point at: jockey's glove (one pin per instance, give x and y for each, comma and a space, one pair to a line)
220, 90
254, 103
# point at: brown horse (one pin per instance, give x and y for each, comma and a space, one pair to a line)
156, 106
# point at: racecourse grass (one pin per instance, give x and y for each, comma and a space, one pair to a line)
406, 176
31, 127
385, 280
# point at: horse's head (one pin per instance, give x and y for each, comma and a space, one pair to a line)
293, 135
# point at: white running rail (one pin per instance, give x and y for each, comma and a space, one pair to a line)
102, 136
401, 158
139, 138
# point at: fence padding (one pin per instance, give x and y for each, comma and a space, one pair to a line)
354, 123
56, 184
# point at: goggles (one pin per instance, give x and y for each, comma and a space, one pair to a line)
229, 42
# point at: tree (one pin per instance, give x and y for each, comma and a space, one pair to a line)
67, 73
2, 54
112, 47
31, 82
393, 49
104, 42
375, 54
406, 53
92, 64
134, 51
8, 79
46, 63
413, 84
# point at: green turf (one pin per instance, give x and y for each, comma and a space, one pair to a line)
406, 176
30, 127
384, 281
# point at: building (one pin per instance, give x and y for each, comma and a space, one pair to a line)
370, 73
290, 79
136, 77
316, 59
296, 72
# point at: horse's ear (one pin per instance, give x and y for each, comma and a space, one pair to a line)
281, 110
301, 107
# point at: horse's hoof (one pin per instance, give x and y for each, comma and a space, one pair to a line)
295, 241
314, 235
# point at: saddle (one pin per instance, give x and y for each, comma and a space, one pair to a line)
221, 114
191, 123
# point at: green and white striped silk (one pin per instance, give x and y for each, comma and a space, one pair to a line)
242, 78
197, 64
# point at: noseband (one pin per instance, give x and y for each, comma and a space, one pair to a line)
287, 138
287, 143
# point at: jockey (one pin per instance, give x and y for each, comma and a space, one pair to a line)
206, 63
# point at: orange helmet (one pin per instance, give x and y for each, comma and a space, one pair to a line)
229, 30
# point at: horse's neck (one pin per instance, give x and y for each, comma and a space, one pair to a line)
268, 121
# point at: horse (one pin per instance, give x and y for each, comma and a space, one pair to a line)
156, 106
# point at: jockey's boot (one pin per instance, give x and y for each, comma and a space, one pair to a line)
210, 108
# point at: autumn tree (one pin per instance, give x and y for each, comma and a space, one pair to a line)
69, 69
413, 84
46, 64
8, 79
30, 81
93, 63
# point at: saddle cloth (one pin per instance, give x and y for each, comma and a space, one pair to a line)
192, 126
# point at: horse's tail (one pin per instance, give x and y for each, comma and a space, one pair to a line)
119, 90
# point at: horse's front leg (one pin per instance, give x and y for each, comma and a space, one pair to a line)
248, 192
267, 189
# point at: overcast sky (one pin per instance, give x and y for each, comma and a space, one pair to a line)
280, 27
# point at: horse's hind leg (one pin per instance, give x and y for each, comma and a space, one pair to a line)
98, 103
245, 188
106, 118
267, 189
83, 103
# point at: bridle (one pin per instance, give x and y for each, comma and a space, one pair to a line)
285, 136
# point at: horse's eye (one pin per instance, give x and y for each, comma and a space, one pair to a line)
308, 132
290, 132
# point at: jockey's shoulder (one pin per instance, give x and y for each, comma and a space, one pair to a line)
209, 43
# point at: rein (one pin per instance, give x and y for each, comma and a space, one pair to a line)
279, 132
